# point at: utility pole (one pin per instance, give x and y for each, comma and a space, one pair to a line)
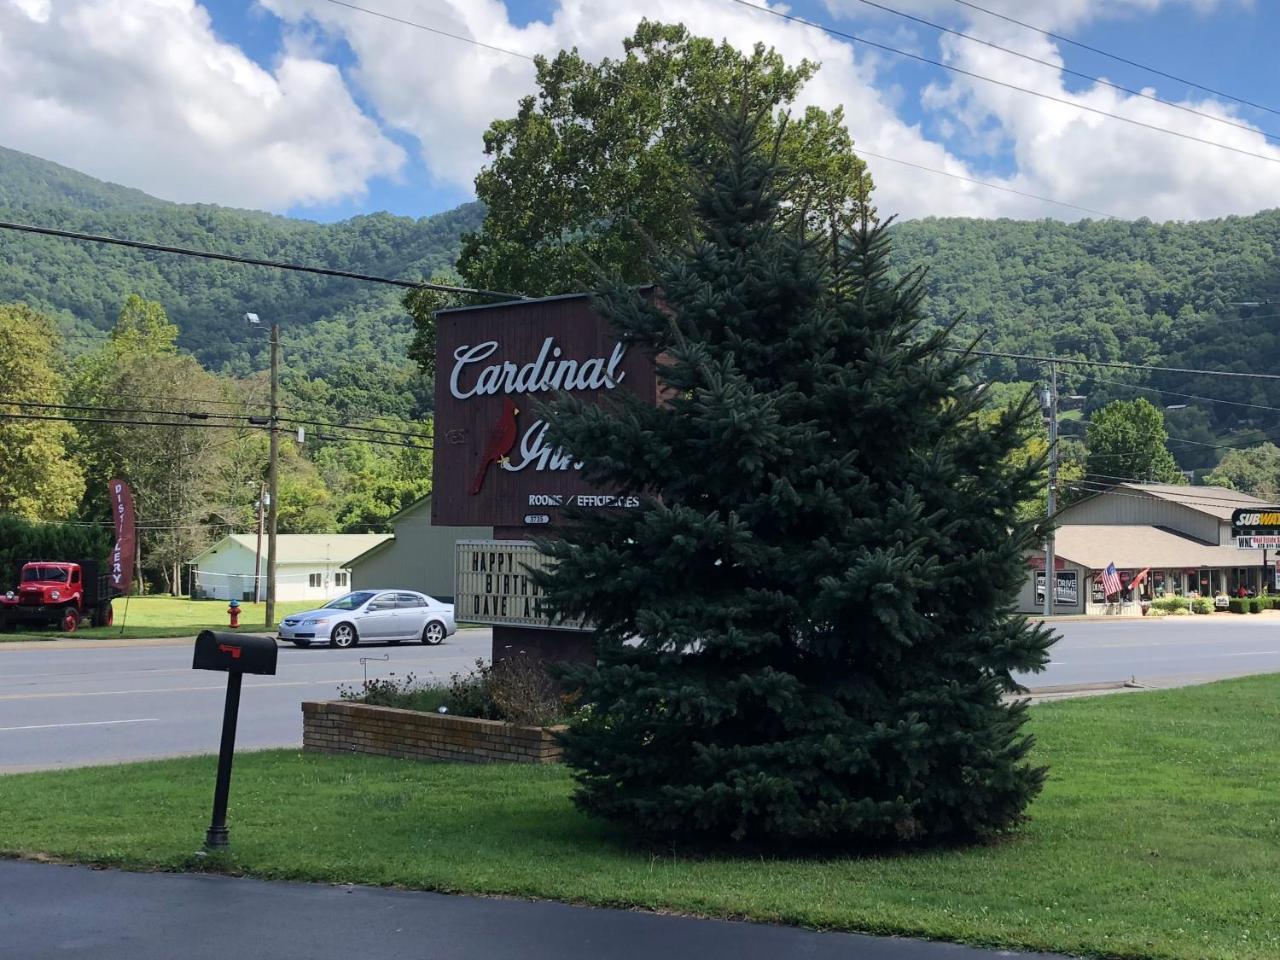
272, 477
1051, 405
257, 555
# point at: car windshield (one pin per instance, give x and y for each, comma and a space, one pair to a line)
349, 602
55, 574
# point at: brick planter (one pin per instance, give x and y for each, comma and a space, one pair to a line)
339, 726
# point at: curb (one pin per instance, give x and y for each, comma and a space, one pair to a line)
63, 642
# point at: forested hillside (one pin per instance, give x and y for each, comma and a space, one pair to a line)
1108, 290
335, 331
1136, 292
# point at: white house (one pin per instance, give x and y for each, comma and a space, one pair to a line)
309, 566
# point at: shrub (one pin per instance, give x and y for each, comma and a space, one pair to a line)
1255, 605
1171, 604
1238, 605
516, 690
1202, 605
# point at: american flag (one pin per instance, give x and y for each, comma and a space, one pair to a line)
1110, 580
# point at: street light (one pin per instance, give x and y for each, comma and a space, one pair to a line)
272, 472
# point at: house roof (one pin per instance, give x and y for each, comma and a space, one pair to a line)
1134, 546
1216, 501
307, 547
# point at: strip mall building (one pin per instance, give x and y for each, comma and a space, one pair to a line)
1183, 534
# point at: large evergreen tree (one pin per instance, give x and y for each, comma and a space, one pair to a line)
804, 632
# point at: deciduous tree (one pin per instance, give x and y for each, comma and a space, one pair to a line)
1127, 441
599, 164
38, 480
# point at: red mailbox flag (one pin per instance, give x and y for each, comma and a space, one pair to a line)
120, 562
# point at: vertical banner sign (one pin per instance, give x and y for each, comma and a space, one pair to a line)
120, 563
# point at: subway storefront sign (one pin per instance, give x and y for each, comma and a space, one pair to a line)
492, 584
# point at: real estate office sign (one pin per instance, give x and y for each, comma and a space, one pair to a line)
493, 465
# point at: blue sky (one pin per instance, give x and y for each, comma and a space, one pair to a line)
326, 112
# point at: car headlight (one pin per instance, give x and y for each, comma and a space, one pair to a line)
55, 594
316, 622
9, 595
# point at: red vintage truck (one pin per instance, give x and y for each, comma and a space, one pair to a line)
56, 593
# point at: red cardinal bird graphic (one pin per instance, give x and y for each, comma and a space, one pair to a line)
501, 439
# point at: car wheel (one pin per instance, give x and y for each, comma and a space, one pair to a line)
70, 620
343, 636
301, 643
433, 633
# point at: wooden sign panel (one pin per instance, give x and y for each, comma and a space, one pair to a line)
494, 365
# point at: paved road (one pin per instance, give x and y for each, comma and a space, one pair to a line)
1164, 652
63, 706
49, 911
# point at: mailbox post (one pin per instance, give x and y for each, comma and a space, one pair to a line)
234, 654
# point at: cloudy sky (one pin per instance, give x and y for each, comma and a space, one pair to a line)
315, 109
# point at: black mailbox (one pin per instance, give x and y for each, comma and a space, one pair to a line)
235, 653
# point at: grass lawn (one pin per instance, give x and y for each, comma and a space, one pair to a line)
1158, 835
169, 617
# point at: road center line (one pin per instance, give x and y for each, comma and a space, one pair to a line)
201, 689
86, 723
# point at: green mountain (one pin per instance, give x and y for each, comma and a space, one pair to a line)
1140, 292
334, 331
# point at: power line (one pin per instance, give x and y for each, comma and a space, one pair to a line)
435, 30
199, 425
1110, 363
1116, 57
305, 407
255, 262
813, 24
861, 151
1184, 396
1061, 68
199, 415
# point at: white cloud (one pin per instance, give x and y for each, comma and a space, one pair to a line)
142, 92
1101, 162
445, 92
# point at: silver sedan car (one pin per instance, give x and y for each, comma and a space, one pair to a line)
372, 616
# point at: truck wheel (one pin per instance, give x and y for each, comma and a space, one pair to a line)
105, 616
70, 620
